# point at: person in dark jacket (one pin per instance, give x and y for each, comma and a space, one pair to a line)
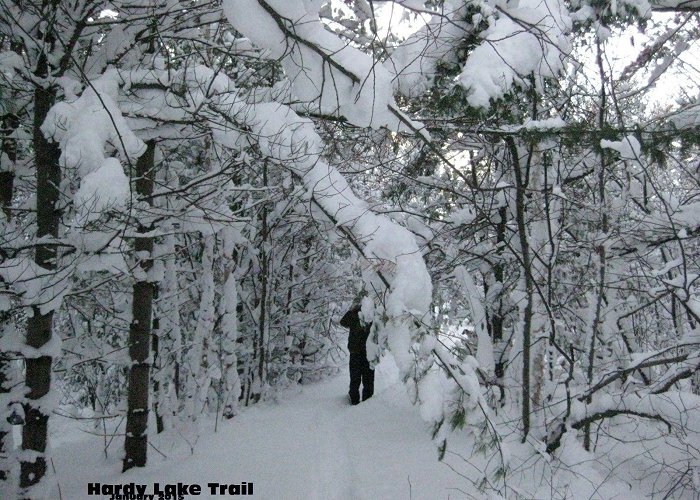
360, 371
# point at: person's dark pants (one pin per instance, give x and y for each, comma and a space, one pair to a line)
360, 373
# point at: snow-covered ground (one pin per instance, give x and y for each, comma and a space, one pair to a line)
309, 444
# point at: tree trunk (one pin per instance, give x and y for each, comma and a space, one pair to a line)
8, 148
157, 367
229, 334
525, 256
260, 350
38, 368
10, 122
600, 248
497, 317
136, 441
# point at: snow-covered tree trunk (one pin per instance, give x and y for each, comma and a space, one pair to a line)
261, 350
527, 280
38, 359
497, 308
8, 159
598, 296
199, 356
170, 340
230, 382
157, 365
136, 440
167, 342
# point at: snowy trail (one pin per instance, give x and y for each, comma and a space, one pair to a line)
310, 445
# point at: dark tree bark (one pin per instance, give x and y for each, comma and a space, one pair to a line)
39, 326
600, 249
529, 287
256, 372
8, 147
497, 315
264, 271
136, 441
10, 122
160, 425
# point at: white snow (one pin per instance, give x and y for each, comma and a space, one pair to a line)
310, 445
88, 129
85, 127
34, 284
108, 186
689, 214
484, 352
628, 148
413, 64
10, 62
546, 124
326, 73
462, 216
510, 53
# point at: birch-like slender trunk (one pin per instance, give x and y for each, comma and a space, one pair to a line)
527, 277
600, 246
260, 351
